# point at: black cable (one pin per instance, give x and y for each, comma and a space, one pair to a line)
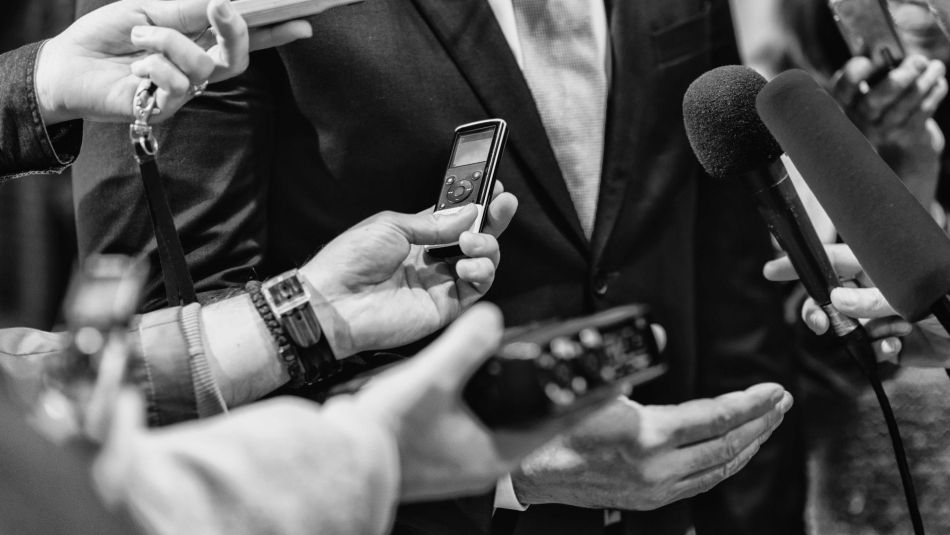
858, 345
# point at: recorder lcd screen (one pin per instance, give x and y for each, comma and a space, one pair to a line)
473, 148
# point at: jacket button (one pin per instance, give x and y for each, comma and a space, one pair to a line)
600, 285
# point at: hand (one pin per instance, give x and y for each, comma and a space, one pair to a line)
377, 288
896, 115
635, 457
444, 451
93, 69
867, 304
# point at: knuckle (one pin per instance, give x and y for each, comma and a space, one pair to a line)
720, 420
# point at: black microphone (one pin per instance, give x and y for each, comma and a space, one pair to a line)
731, 141
900, 247
877, 216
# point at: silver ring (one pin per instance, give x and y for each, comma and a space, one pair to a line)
197, 89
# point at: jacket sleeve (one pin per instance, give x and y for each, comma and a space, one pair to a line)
167, 362
27, 146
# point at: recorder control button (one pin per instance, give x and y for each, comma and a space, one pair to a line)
476, 175
461, 191
449, 180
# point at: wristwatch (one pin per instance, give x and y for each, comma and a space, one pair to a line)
288, 296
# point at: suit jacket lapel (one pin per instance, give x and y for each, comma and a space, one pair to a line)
471, 35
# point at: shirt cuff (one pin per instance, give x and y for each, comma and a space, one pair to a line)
505, 497
26, 145
161, 366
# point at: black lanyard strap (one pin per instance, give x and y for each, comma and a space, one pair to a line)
179, 288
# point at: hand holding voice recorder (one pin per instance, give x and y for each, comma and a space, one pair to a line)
470, 177
869, 31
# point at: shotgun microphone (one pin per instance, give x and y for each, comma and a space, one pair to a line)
900, 247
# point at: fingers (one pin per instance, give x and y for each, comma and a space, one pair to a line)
280, 34
659, 334
476, 245
464, 346
501, 211
707, 479
894, 92
430, 228
184, 54
888, 327
861, 302
704, 419
483, 256
724, 449
917, 88
185, 16
842, 259
814, 317
172, 84
847, 83
780, 270
231, 52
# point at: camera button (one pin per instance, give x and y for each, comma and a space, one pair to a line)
461, 191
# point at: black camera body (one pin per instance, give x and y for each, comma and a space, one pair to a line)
470, 176
546, 371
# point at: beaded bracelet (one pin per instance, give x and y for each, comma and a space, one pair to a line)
295, 366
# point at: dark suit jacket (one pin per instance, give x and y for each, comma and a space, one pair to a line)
359, 119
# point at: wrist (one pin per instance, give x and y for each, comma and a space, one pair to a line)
325, 303
51, 107
250, 367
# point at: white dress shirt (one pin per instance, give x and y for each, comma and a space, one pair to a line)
505, 14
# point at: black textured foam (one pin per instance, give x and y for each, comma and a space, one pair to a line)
900, 247
722, 125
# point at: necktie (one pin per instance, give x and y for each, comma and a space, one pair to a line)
566, 73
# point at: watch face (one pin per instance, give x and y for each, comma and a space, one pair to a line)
285, 292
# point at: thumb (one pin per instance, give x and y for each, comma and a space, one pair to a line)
186, 16
431, 228
463, 347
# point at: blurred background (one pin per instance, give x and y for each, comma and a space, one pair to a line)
38, 241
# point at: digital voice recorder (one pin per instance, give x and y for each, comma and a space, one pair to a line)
543, 372
470, 177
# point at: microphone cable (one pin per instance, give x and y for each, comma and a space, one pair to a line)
858, 346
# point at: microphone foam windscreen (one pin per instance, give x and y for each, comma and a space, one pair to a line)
901, 248
722, 125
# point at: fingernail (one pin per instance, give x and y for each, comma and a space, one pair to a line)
140, 32
786, 403
777, 396
816, 319
887, 346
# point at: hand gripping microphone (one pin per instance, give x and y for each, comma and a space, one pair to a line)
900, 247
731, 142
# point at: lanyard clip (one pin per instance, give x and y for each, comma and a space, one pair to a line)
143, 107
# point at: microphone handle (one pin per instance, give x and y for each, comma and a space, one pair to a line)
782, 209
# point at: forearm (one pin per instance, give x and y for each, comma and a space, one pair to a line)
26, 144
